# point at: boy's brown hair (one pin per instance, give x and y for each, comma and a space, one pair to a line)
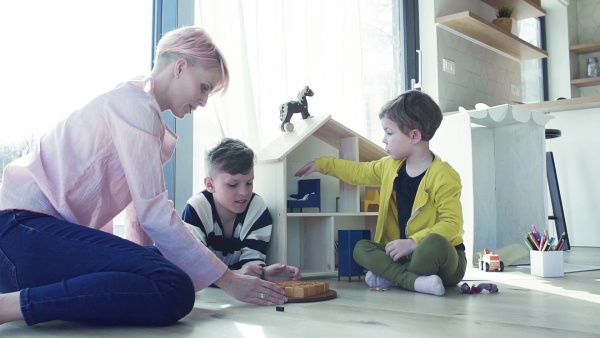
231, 156
414, 110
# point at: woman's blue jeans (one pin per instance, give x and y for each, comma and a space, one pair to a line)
70, 272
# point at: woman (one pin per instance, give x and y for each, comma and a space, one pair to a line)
56, 264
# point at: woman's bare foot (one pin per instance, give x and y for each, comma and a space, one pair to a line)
280, 272
10, 307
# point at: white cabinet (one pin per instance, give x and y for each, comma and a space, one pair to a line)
499, 154
306, 239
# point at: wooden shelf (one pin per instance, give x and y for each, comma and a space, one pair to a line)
523, 9
485, 34
585, 48
577, 103
586, 82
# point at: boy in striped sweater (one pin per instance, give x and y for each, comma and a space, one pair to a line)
230, 219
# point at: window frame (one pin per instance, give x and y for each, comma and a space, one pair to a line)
409, 30
178, 175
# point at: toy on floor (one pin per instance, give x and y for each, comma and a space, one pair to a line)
490, 261
465, 288
380, 288
290, 108
303, 289
306, 291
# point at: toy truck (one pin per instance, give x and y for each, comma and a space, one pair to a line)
490, 261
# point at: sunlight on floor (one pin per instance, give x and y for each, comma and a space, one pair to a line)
546, 286
253, 331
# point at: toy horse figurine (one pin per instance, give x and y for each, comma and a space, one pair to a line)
290, 108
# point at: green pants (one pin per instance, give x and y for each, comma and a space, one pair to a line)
434, 255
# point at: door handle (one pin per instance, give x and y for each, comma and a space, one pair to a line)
413, 83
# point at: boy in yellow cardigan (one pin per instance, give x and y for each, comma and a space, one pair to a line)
418, 241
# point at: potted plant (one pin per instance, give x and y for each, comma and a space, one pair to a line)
503, 18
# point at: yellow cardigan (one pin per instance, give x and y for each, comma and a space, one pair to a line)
437, 207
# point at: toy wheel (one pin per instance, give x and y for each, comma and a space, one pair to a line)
487, 267
289, 127
501, 266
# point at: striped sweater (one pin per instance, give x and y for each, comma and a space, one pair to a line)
251, 233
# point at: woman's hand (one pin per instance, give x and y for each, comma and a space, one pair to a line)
308, 169
250, 289
399, 248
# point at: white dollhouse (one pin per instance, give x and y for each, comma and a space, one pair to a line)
306, 239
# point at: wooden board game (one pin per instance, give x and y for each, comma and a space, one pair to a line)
303, 289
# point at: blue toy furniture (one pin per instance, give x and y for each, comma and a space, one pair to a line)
347, 239
308, 196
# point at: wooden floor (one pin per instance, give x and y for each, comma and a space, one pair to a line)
526, 306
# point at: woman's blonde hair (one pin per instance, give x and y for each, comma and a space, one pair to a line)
197, 47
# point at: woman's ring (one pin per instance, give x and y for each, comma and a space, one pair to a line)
262, 295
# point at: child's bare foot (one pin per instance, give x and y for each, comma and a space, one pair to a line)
281, 272
430, 284
10, 309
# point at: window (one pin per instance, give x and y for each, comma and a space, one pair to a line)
59, 54
532, 79
347, 52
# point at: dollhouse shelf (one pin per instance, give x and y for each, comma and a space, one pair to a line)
320, 214
523, 9
586, 82
485, 34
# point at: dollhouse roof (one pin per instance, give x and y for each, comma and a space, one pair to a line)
325, 129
